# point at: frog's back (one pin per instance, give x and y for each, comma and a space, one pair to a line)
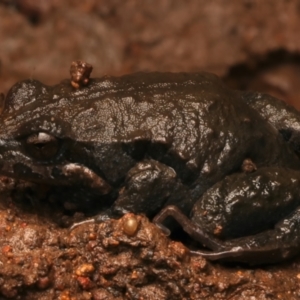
190, 121
194, 116
186, 112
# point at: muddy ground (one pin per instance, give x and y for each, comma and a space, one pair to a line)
251, 44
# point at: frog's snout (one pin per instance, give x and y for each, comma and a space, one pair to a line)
16, 164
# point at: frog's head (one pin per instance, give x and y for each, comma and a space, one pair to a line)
37, 136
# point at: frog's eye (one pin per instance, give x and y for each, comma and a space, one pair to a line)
42, 145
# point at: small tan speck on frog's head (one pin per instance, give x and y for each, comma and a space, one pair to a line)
80, 72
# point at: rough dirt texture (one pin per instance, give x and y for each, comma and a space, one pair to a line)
40, 260
252, 44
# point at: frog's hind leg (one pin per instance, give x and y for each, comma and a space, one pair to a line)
247, 217
270, 246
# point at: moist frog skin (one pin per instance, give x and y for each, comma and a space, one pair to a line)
165, 144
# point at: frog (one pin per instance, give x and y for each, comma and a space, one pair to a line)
224, 164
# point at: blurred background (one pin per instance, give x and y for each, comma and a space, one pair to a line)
251, 44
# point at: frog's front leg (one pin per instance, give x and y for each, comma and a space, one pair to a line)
150, 185
252, 217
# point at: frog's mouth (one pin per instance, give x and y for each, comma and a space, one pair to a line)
69, 174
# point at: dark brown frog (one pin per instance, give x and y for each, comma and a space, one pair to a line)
223, 163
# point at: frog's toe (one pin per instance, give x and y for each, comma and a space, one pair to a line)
77, 224
163, 228
219, 255
101, 217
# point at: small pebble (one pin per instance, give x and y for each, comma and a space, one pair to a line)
80, 72
85, 282
130, 225
85, 270
43, 282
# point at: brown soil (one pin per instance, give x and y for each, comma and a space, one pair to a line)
41, 260
253, 44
